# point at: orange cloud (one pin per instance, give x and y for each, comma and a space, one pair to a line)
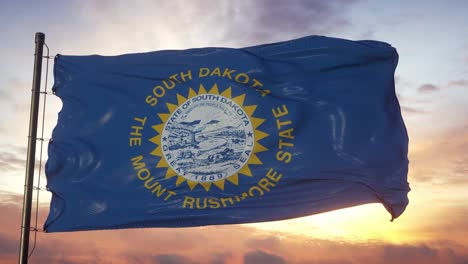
441, 159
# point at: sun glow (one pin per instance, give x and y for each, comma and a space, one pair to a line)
358, 224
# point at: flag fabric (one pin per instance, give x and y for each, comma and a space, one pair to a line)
210, 136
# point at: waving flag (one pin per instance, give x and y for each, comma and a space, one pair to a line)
213, 136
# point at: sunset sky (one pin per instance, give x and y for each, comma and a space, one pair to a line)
431, 83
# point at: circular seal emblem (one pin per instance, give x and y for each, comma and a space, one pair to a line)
207, 138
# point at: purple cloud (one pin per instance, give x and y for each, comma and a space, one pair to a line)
7, 244
270, 243
13, 158
261, 257
458, 83
428, 88
420, 254
221, 258
401, 254
173, 259
408, 110
277, 20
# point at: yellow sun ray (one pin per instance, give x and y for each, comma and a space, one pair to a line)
164, 117
202, 89
157, 152
192, 184
256, 122
156, 139
180, 180
219, 184
162, 163
171, 107
254, 160
191, 94
214, 89
206, 185
259, 148
227, 93
260, 135
234, 179
246, 171
170, 173
158, 128
239, 99
250, 109
180, 99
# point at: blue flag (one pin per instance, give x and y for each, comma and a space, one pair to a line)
212, 136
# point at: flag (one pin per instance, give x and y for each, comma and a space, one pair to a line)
210, 136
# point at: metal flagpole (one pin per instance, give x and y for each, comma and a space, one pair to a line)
31, 156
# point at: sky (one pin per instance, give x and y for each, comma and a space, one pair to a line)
431, 84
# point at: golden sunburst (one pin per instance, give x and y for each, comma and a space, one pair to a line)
234, 178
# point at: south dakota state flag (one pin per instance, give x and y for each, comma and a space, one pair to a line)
212, 136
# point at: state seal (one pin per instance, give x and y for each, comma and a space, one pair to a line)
207, 138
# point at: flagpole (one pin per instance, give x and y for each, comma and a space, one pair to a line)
31, 156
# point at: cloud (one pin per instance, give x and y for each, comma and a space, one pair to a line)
441, 159
273, 20
9, 94
369, 34
459, 83
271, 242
409, 106
332, 262
420, 254
229, 244
4, 97
261, 257
408, 110
111, 27
428, 88
404, 254
449, 222
7, 244
14, 113
13, 158
172, 259
15, 98
221, 258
